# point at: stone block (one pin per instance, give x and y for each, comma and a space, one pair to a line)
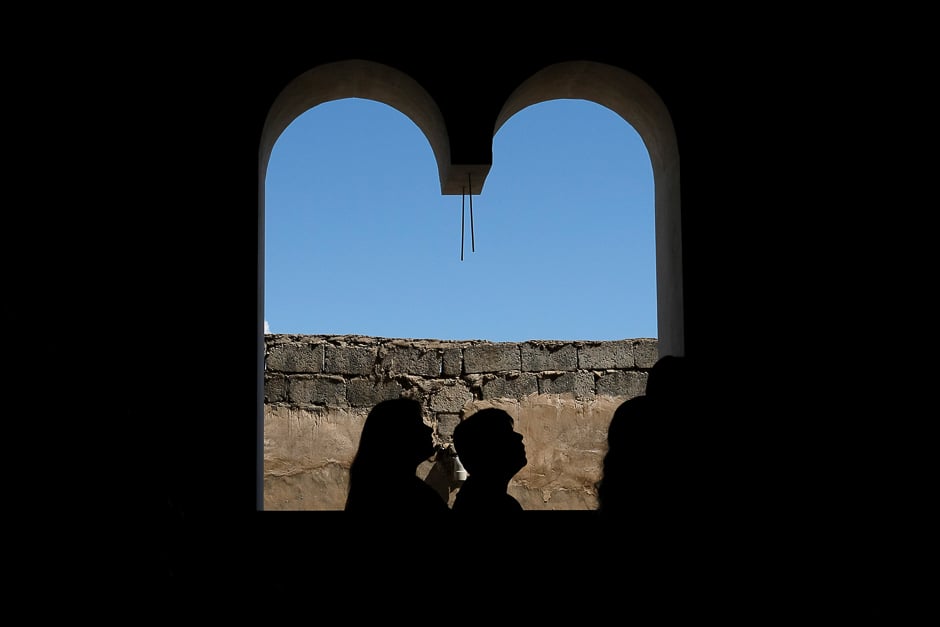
365, 392
626, 384
537, 357
320, 390
425, 362
350, 360
452, 365
491, 358
450, 398
301, 358
606, 355
514, 387
580, 384
646, 352
275, 388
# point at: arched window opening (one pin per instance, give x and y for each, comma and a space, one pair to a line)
403, 263
359, 239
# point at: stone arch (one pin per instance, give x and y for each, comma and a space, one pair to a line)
357, 79
609, 86
640, 106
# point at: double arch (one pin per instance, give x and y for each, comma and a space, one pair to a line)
615, 88
609, 86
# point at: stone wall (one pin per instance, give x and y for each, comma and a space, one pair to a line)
319, 389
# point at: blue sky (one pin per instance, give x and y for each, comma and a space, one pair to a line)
359, 239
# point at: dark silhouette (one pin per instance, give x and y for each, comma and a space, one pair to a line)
625, 471
695, 437
492, 452
383, 476
653, 468
670, 382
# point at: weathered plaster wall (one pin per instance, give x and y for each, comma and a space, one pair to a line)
319, 389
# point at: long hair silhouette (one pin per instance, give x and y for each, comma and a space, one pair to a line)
383, 474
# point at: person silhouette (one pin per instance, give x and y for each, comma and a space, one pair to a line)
383, 475
492, 452
670, 383
650, 467
675, 385
624, 469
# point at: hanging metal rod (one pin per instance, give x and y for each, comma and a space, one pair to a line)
463, 211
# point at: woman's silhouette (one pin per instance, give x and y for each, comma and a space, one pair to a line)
383, 476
